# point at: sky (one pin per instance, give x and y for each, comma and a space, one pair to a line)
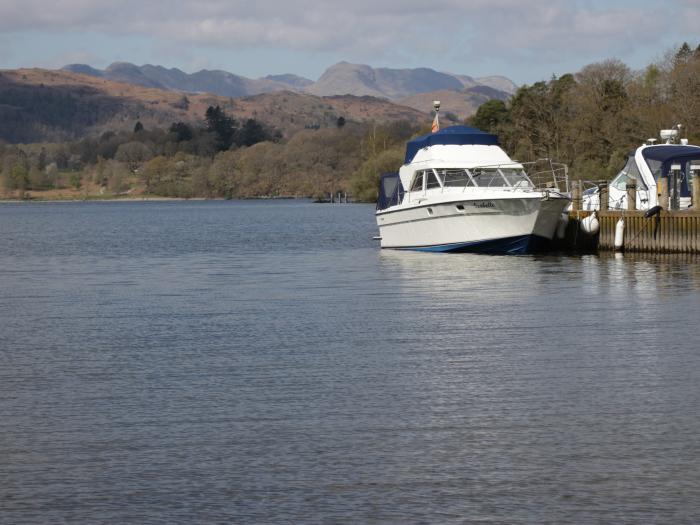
525, 40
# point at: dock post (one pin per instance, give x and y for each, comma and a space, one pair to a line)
603, 193
631, 195
663, 192
696, 191
576, 195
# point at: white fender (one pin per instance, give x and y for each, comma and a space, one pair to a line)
620, 234
590, 224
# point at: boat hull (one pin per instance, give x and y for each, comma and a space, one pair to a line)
498, 226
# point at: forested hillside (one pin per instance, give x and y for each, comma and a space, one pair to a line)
591, 120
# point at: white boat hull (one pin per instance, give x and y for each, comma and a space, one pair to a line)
510, 225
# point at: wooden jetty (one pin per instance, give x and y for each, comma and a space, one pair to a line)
668, 231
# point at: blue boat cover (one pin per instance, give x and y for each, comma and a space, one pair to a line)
668, 155
667, 152
390, 191
453, 135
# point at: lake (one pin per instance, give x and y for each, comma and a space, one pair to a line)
266, 362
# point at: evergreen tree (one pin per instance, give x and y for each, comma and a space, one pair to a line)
221, 126
684, 53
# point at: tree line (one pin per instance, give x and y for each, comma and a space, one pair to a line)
591, 120
221, 158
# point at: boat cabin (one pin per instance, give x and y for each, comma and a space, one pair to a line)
676, 163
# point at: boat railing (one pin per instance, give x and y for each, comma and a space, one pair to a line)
548, 175
539, 175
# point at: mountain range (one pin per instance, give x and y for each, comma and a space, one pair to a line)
410, 87
39, 105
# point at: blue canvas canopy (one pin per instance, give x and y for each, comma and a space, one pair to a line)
390, 191
667, 155
453, 135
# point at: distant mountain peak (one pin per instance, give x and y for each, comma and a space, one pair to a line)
342, 78
82, 69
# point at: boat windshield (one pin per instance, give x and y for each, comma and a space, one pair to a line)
629, 174
499, 177
481, 177
516, 177
455, 177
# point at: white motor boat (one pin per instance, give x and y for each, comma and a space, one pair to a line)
678, 163
459, 191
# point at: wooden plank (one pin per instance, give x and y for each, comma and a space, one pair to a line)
631, 232
663, 192
683, 235
632, 196
604, 198
663, 241
577, 195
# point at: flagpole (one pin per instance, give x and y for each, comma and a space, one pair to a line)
436, 122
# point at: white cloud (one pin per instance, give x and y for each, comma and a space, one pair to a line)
365, 29
59, 60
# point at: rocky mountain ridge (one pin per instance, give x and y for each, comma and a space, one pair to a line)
343, 78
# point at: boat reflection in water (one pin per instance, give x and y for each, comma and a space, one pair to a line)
573, 284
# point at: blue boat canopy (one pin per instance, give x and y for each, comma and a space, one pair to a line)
665, 152
390, 191
666, 155
453, 135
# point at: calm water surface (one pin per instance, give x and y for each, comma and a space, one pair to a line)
265, 362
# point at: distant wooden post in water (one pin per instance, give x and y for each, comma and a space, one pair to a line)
631, 196
696, 191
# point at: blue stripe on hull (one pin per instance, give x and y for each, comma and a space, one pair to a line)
507, 246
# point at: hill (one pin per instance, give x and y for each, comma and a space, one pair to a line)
39, 105
463, 104
359, 79
205, 81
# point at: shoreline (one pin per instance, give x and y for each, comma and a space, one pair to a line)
17, 200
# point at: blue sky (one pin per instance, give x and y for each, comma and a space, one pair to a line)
526, 40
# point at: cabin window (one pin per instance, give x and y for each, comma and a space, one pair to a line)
655, 167
694, 170
418, 182
516, 177
431, 181
488, 177
458, 178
